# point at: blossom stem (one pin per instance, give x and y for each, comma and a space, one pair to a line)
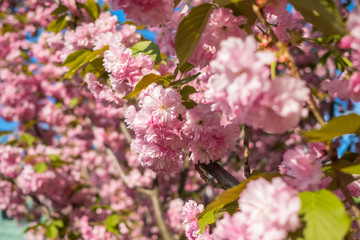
247, 133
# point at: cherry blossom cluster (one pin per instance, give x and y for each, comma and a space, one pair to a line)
119, 137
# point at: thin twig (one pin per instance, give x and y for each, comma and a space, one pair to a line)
126, 132
354, 208
152, 193
247, 133
183, 176
154, 196
117, 165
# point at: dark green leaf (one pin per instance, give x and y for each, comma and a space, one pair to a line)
350, 156
59, 10
324, 214
324, 58
186, 91
2, 133
185, 80
147, 48
52, 231
186, 67
189, 104
40, 167
143, 84
336, 127
58, 24
323, 14
228, 196
6, 28
190, 31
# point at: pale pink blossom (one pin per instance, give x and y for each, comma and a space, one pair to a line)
192, 230
208, 140
150, 12
243, 91
10, 158
304, 172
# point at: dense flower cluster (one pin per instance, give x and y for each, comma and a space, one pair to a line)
163, 127
120, 137
242, 89
268, 211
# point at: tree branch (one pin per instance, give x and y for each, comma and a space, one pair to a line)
154, 196
224, 179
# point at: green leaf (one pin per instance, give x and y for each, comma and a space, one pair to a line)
94, 55
40, 167
28, 139
58, 222
59, 10
325, 216
96, 67
56, 160
186, 91
350, 156
74, 102
79, 58
186, 67
228, 196
58, 24
147, 48
336, 127
3, 133
323, 14
74, 58
114, 230
190, 30
52, 231
6, 28
185, 80
352, 169
143, 84
112, 220
189, 104
93, 9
